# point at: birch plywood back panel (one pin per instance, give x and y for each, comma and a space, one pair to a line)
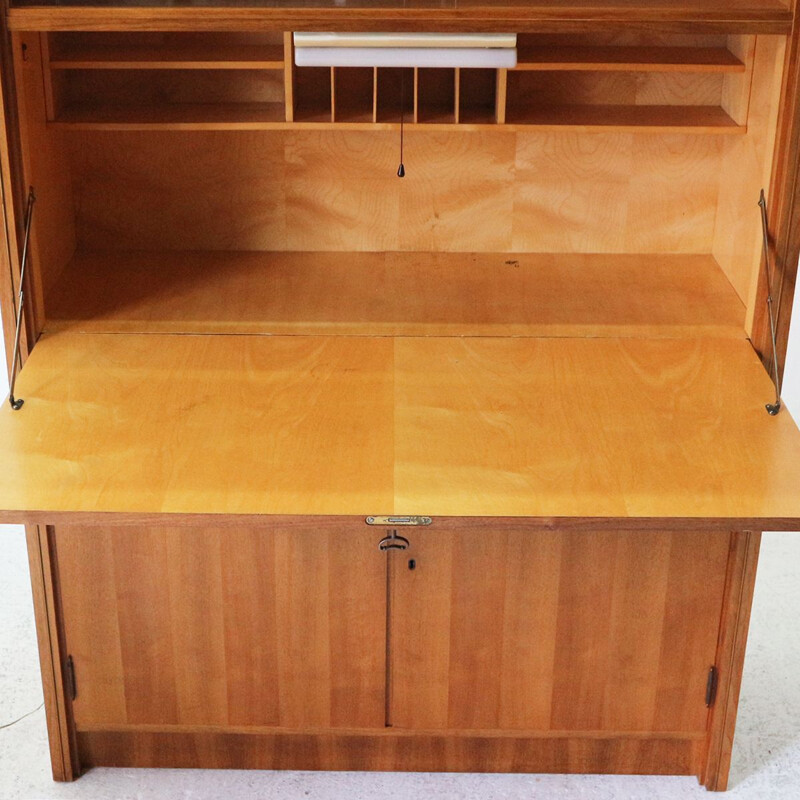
337, 190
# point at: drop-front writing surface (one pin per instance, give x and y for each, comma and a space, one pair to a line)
420, 425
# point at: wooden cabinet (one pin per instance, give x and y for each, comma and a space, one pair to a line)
540, 355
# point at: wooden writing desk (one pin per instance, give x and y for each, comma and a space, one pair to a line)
325, 469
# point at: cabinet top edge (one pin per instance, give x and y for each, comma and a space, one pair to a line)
556, 16
320, 522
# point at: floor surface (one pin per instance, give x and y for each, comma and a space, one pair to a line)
766, 756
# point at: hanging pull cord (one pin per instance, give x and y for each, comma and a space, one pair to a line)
772, 408
17, 404
401, 170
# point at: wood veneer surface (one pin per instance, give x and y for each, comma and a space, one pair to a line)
362, 425
475, 294
686, 15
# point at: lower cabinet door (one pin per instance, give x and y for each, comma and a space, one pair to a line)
205, 626
554, 631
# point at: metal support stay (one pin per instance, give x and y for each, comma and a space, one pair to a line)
17, 403
772, 408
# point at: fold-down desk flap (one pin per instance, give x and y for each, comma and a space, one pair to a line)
138, 424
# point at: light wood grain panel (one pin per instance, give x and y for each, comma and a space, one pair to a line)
609, 87
439, 426
195, 622
736, 87
571, 193
475, 648
593, 55
216, 194
338, 190
591, 427
595, 193
745, 169
82, 50
683, 173
308, 423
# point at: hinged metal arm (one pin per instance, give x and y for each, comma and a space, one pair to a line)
17, 404
772, 408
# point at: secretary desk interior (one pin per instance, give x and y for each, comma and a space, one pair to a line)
326, 468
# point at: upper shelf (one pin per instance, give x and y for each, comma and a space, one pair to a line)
622, 59
186, 57
690, 16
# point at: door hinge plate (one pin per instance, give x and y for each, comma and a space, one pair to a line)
711, 686
70, 686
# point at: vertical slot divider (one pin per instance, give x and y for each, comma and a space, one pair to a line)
501, 92
374, 94
416, 95
50, 97
737, 86
288, 75
333, 94
457, 95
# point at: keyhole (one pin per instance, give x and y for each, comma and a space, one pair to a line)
412, 564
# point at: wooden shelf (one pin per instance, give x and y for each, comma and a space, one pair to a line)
633, 59
699, 120
661, 119
185, 57
620, 428
177, 116
408, 294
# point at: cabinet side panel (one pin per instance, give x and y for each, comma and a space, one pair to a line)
734, 626
744, 171
63, 752
47, 170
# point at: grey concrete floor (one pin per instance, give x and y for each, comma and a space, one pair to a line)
766, 758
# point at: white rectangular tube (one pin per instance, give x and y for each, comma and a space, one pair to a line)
405, 57
456, 40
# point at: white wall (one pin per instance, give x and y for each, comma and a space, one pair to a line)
791, 379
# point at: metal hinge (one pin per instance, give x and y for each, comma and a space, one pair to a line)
711, 686
398, 520
18, 402
772, 408
70, 686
